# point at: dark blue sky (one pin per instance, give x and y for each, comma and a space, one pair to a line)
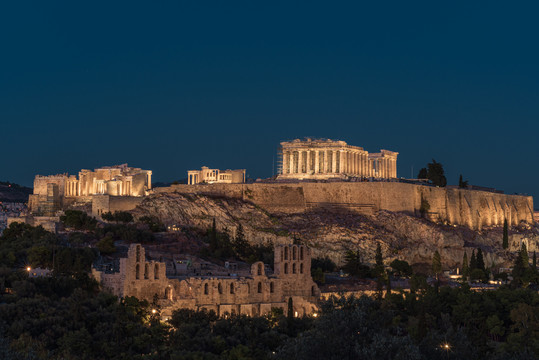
172, 86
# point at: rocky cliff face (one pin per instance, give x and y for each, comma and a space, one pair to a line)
331, 232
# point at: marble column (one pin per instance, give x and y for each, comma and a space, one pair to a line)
308, 167
291, 162
316, 162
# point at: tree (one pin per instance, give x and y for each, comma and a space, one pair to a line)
480, 260
435, 173
505, 239
465, 266
388, 284
353, 265
423, 174
78, 220
473, 262
379, 261
240, 244
462, 184
525, 257
436, 264
106, 245
401, 267
290, 313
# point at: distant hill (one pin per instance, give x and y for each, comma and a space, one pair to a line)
10, 192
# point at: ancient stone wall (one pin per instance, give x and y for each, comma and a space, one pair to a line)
256, 294
108, 203
471, 208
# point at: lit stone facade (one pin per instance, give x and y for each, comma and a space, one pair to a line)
253, 294
215, 176
324, 158
54, 192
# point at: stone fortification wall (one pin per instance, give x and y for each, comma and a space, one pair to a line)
108, 203
471, 208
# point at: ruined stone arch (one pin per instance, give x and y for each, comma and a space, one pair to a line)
272, 287
232, 288
146, 271
156, 272
301, 268
313, 291
293, 268
286, 253
206, 291
286, 268
301, 252
220, 288
259, 287
137, 271
169, 292
294, 252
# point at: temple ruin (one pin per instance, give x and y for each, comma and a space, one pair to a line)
215, 176
57, 192
324, 159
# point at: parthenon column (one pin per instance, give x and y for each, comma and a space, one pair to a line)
291, 163
334, 161
316, 162
366, 167
308, 166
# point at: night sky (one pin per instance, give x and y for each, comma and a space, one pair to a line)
171, 86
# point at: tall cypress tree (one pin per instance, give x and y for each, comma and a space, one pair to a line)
480, 260
379, 266
465, 266
290, 313
473, 262
505, 240
436, 264
524, 254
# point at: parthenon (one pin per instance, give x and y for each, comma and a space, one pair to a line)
325, 158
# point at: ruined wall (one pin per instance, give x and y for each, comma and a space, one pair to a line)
471, 208
256, 294
108, 203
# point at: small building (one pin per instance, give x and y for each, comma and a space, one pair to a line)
215, 176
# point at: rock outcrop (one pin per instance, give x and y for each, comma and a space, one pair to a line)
331, 232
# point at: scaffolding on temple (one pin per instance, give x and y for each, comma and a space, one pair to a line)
279, 169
